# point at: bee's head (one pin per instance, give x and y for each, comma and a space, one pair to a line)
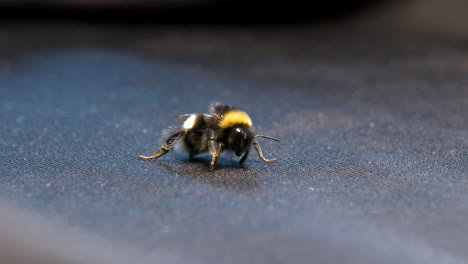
240, 138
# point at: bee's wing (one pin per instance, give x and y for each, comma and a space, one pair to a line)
182, 118
209, 117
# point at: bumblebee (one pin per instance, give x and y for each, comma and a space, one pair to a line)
225, 128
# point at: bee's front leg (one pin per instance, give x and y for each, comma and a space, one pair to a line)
241, 162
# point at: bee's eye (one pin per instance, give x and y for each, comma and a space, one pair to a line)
239, 140
240, 134
240, 137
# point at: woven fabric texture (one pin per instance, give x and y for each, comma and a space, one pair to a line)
372, 164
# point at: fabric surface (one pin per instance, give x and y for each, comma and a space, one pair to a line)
372, 116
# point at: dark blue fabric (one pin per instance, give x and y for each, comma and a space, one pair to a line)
373, 162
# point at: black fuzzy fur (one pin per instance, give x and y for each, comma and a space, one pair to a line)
237, 138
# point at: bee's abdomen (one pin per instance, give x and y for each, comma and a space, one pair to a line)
195, 141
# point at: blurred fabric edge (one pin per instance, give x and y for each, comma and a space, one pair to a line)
175, 11
27, 238
337, 4
108, 2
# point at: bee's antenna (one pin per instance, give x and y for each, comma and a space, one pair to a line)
263, 136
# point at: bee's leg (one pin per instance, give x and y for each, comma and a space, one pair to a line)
158, 153
260, 153
243, 159
166, 146
214, 151
214, 147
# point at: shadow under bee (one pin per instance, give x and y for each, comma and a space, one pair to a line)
229, 175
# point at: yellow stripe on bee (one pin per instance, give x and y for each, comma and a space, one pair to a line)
235, 117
